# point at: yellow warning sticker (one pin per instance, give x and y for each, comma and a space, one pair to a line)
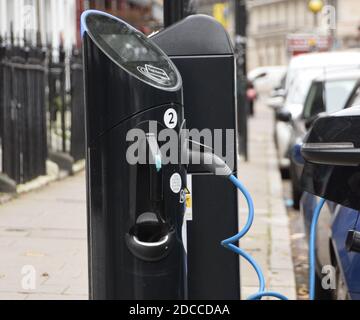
188, 199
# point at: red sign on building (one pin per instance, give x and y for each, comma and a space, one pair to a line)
304, 43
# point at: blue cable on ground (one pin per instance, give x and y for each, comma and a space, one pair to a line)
312, 248
229, 244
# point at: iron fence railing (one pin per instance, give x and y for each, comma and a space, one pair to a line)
41, 111
77, 142
57, 103
23, 114
2, 56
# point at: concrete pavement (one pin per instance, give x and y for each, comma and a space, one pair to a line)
43, 252
269, 239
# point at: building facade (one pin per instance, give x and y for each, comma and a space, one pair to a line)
50, 22
58, 21
272, 21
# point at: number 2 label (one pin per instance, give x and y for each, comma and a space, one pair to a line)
170, 118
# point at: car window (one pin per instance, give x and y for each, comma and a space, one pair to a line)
314, 103
329, 97
337, 93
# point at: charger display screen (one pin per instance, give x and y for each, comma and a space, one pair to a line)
132, 51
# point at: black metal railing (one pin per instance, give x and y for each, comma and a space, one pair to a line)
23, 107
2, 56
77, 142
66, 129
41, 111
57, 103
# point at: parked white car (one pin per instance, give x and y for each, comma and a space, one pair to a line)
265, 79
301, 72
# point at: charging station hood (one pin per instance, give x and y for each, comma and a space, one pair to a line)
124, 62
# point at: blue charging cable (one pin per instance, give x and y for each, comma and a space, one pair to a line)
215, 164
230, 244
312, 248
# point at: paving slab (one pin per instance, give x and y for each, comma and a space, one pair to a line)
43, 243
269, 239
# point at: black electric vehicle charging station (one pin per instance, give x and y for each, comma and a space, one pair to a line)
202, 51
135, 212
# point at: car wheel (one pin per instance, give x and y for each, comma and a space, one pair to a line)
295, 188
